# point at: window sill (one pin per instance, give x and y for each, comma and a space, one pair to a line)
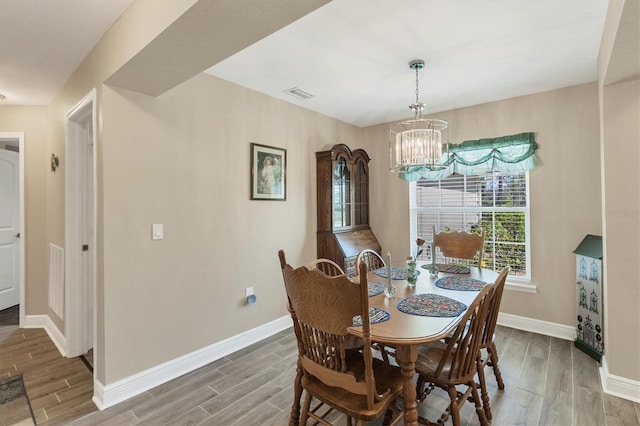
521, 285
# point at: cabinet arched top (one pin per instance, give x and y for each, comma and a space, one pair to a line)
342, 150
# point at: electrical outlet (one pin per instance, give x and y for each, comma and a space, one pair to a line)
250, 297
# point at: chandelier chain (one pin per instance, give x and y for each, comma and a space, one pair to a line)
417, 86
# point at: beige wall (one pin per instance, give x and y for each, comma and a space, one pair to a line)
182, 160
619, 83
142, 23
32, 122
564, 189
619, 72
621, 165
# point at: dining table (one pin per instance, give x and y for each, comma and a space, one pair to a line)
406, 331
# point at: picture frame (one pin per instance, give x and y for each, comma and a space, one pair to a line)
268, 173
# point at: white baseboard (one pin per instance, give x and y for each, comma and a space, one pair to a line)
552, 329
44, 321
114, 393
618, 386
104, 396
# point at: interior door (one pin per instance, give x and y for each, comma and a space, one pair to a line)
9, 229
80, 251
87, 231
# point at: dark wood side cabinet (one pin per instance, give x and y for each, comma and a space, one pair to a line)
343, 205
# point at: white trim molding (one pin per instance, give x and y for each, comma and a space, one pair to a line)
105, 396
618, 386
44, 321
552, 329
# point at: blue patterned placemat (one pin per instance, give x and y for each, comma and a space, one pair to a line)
396, 273
375, 288
460, 283
375, 316
450, 269
431, 305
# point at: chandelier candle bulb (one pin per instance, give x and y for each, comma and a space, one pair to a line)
390, 290
433, 254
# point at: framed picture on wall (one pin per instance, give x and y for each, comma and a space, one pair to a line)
268, 173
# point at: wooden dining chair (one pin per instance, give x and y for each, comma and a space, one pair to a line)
297, 381
487, 343
460, 245
354, 383
371, 259
327, 266
454, 362
332, 269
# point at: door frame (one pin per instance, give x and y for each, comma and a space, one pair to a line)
19, 136
80, 304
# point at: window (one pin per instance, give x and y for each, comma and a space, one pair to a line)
497, 202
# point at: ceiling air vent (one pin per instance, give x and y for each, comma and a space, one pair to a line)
298, 93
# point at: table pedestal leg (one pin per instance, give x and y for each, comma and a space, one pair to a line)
406, 356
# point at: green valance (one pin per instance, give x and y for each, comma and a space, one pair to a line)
506, 154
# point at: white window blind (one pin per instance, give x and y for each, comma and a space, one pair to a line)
497, 202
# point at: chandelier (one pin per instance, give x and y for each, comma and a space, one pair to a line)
419, 143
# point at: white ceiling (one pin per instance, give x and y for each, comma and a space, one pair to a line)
352, 55
43, 41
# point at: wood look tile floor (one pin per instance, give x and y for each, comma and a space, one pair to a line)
548, 382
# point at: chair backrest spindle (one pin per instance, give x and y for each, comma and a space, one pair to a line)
371, 259
327, 266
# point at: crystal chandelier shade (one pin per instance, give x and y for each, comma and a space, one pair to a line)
418, 142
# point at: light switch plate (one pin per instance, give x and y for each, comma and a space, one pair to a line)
157, 232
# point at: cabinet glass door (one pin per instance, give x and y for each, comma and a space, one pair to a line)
361, 194
341, 195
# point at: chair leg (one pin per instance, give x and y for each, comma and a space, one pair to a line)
383, 353
483, 388
388, 416
297, 395
476, 400
423, 388
493, 354
454, 408
304, 416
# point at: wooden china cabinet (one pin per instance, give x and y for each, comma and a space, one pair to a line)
343, 205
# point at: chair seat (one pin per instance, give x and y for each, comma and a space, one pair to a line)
387, 377
429, 356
